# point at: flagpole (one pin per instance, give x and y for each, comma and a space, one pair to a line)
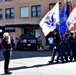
59, 20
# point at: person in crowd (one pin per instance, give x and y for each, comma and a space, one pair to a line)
50, 39
39, 44
57, 47
67, 46
62, 38
6, 45
12, 43
75, 47
72, 45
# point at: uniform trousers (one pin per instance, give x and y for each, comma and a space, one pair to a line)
59, 50
6, 55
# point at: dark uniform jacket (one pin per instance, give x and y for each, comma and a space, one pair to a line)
57, 39
5, 44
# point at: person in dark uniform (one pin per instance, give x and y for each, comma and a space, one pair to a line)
57, 47
72, 45
63, 48
75, 47
6, 45
67, 46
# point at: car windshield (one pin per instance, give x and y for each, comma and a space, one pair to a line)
26, 36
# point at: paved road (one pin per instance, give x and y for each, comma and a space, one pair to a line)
36, 63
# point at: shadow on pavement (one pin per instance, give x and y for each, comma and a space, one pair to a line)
34, 66
26, 54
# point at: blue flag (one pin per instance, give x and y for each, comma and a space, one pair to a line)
62, 27
63, 20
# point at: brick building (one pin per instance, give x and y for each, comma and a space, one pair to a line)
23, 16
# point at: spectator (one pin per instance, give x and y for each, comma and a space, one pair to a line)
50, 39
6, 45
12, 42
39, 47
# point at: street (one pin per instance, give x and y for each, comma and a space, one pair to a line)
36, 63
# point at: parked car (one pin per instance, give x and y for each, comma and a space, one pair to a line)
27, 41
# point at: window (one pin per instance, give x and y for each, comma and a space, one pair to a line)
24, 12
9, 0
36, 11
1, 14
53, 4
9, 13
0, 0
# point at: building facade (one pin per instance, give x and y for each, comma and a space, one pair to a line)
23, 16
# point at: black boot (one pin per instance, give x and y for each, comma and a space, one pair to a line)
7, 72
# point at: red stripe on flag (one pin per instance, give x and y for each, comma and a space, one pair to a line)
70, 7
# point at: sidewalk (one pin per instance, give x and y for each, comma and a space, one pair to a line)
36, 63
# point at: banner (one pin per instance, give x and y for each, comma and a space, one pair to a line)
48, 23
71, 19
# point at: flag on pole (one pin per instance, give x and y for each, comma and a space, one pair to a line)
63, 20
67, 9
70, 7
48, 23
71, 19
